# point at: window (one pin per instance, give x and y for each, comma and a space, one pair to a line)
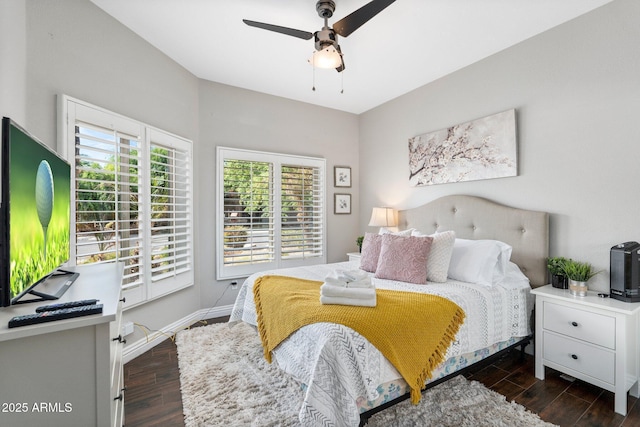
270, 211
132, 201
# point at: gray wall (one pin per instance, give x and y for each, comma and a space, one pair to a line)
233, 117
576, 89
13, 66
74, 48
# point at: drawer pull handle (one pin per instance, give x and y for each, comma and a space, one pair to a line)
574, 356
121, 395
119, 339
123, 299
574, 323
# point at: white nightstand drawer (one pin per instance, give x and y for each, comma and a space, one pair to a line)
587, 359
580, 324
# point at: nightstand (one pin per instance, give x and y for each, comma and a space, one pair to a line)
354, 256
591, 338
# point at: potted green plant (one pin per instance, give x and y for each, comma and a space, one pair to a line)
578, 274
359, 241
555, 265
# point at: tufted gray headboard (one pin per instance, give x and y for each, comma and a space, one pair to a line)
477, 218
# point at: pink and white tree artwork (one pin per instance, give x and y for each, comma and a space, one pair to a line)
480, 149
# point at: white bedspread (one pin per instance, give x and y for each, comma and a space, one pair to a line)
338, 365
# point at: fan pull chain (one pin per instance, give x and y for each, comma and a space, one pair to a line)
313, 84
313, 66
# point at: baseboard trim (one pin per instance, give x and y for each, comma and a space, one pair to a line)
143, 345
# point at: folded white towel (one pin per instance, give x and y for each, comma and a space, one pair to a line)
362, 283
333, 280
338, 291
349, 279
370, 302
351, 275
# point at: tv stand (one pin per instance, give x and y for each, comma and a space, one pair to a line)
49, 288
70, 369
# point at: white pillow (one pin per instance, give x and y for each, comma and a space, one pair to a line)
514, 278
440, 254
479, 261
407, 232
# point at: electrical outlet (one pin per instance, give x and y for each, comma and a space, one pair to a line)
127, 329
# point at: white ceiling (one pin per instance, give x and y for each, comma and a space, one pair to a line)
407, 45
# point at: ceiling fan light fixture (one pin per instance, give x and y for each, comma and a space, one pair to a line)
327, 57
328, 53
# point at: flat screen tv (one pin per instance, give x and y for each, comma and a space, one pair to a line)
34, 219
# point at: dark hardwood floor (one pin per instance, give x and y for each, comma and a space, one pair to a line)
153, 391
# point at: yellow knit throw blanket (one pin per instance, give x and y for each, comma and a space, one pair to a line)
412, 330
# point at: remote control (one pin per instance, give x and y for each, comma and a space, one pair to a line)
50, 316
70, 304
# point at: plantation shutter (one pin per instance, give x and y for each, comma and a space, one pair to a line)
302, 212
133, 199
248, 212
270, 212
171, 211
107, 192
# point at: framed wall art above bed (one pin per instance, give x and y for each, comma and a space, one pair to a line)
480, 149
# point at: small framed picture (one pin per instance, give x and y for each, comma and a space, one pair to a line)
342, 176
341, 203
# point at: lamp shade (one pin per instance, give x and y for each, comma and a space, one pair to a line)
383, 217
327, 57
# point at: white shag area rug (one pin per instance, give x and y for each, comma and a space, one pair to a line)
226, 381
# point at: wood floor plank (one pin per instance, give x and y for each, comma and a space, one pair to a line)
508, 389
489, 375
566, 410
542, 393
141, 378
601, 413
585, 391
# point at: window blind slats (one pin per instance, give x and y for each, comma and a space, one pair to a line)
106, 181
106, 177
132, 200
170, 211
301, 212
247, 212
270, 210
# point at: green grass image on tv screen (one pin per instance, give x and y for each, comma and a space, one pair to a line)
28, 262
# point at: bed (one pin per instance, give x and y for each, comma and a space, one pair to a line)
346, 379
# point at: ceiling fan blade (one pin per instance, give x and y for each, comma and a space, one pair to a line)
305, 35
355, 20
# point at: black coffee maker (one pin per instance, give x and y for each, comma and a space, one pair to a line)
625, 272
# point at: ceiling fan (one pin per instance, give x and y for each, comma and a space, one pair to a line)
328, 53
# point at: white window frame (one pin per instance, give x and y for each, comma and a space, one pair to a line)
73, 111
278, 160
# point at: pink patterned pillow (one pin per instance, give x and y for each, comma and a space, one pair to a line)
404, 258
370, 252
